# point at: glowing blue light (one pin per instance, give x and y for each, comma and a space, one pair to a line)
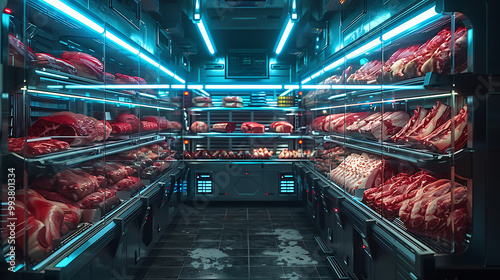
148, 95
306, 80
291, 86
286, 92
178, 86
204, 92
206, 36
284, 36
365, 48
168, 72
316, 87
334, 64
121, 43
229, 86
150, 60
179, 79
337, 96
76, 15
410, 24
195, 86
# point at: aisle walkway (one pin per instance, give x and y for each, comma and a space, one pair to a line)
235, 242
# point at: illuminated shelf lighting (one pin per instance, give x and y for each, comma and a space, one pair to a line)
96, 99
206, 35
284, 36
291, 86
234, 87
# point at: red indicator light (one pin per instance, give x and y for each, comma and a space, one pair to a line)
364, 247
267, 193
225, 193
186, 93
7, 11
186, 142
336, 210
300, 142
246, 173
300, 92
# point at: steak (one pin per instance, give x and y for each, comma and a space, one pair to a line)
50, 62
252, 127
160, 121
198, 127
121, 128
414, 121
103, 129
149, 125
36, 148
86, 65
440, 138
128, 183
437, 116
130, 119
281, 127
384, 128
66, 124
37, 246
75, 184
228, 127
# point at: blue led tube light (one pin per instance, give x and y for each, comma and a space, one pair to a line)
284, 36
206, 35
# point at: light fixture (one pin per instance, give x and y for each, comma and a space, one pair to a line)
233, 87
409, 25
204, 93
291, 86
195, 86
316, 87
306, 80
121, 43
286, 92
284, 36
178, 86
364, 48
337, 96
69, 11
76, 15
206, 35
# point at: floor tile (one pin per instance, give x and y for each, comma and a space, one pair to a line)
300, 272
164, 272
266, 272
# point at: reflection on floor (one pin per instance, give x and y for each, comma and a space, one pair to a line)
238, 242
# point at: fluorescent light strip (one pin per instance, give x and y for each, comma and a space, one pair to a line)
306, 80
243, 87
99, 29
365, 48
121, 43
410, 24
204, 92
291, 86
195, 86
206, 36
43, 73
96, 99
334, 64
178, 86
134, 86
284, 36
316, 87
386, 101
286, 92
148, 95
315, 75
76, 15
337, 96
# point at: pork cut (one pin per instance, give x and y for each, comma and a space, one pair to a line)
48, 61
281, 127
237, 99
121, 128
252, 127
198, 127
149, 125
358, 172
86, 65
418, 115
440, 138
80, 127
130, 119
392, 124
437, 116
36, 148
228, 127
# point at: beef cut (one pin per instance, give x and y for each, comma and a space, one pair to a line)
71, 183
358, 172
86, 65
36, 148
103, 128
81, 128
121, 128
20, 51
202, 99
48, 61
440, 138
128, 183
160, 121
392, 124
130, 119
198, 127
281, 127
149, 125
109, 78
418, 115
37, 246
437, 116
224, 127
367, 74
252, 127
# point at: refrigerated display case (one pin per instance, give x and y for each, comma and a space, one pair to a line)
87, 109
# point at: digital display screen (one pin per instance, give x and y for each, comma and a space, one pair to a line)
247, 64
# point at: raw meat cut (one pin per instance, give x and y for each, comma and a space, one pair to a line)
86, 65
198, 127
176, 125
232, 104
160, 121
281, 127
96, 199
367, 74
66, 124
128, 183
103, 129
36, 148
126, 80
149, 125
392, 124
37, 246
224, 127
205, 104
113, 172
438, 115
414, 121
357, 125
329, 120
358, 172
232, 99
121, 128
50, 62
339, 125
130, 119
48, 213
75, 184
20, 51
260, 153
252, 127
367, 128
109, 78
202, 99
440, 138
318, 123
